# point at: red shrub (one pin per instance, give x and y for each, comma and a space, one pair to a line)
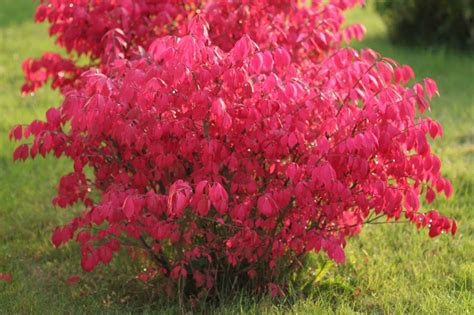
229, 137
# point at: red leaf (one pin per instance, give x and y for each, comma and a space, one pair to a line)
267, 62
129, 207
266, 206
430, 195
256, 63
282, 58
57, 237
454, 227
219, 198
218, 108
6, 277
431, 87
178, 271
292, 140
21, 153
448, 189
244, 47
16, 133
105, 254
334, 250
53, 116
73, 280
275, 290
88, 262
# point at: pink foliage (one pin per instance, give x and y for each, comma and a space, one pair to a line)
228, 132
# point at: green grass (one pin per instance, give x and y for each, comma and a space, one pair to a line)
390, 269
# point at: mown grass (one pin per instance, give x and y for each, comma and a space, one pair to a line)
390, 269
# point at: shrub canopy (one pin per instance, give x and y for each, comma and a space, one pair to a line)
228, 138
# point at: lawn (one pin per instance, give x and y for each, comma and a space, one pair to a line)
390, 268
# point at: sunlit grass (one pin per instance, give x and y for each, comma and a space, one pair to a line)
390, 269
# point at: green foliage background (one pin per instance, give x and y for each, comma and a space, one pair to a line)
429, 22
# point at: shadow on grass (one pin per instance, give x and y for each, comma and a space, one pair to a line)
115, 289
383, 45
466, 138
